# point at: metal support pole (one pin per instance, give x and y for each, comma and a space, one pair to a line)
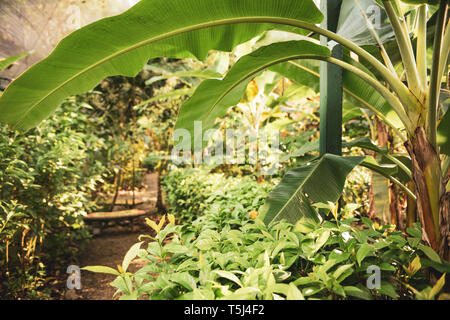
331, 85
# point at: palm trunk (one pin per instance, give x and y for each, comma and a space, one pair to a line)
432, 200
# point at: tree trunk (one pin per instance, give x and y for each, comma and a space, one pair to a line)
432, 200
161, 209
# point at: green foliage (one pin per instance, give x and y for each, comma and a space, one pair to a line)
220, 256
219, 250
44, 193
192, 193
213, 97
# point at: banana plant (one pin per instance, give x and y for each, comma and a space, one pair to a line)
189, 29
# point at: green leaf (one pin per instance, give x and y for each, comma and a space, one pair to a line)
229, 275
353, 25
122, 45
417, 2
437, 287
367, 222
304, 72
430, 253
404, 171
321, 240
247, 293
356, 91
132, 296
341, 269
101, 269
305, 225
173, 247
213, 97
305, 281
5, 63
363, 251
294, 293
361, 293
388, 171
120, 284
415, 232
443, 267
130, 255
320, 181
185, 280
388, 289
305, 148
383, 169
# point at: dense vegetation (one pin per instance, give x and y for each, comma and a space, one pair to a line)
279, 219
83, 155
45, 191
229, 253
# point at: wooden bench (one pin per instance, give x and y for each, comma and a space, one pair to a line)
99, 221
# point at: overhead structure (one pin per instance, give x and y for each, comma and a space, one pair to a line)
38, 25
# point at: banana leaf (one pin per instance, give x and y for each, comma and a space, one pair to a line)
321, 181
122, 45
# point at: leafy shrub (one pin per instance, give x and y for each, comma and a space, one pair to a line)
221, 250
229, 258
44, 191
195, 192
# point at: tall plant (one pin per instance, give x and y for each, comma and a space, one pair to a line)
179, 28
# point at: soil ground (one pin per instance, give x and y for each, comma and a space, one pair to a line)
108, 249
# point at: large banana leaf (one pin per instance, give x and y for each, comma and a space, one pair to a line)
355, 18
320, 181
213, 97
305, 72
122, 44
392, 46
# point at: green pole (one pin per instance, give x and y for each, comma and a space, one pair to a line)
331, 86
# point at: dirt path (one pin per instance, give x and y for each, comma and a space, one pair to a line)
108, 249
